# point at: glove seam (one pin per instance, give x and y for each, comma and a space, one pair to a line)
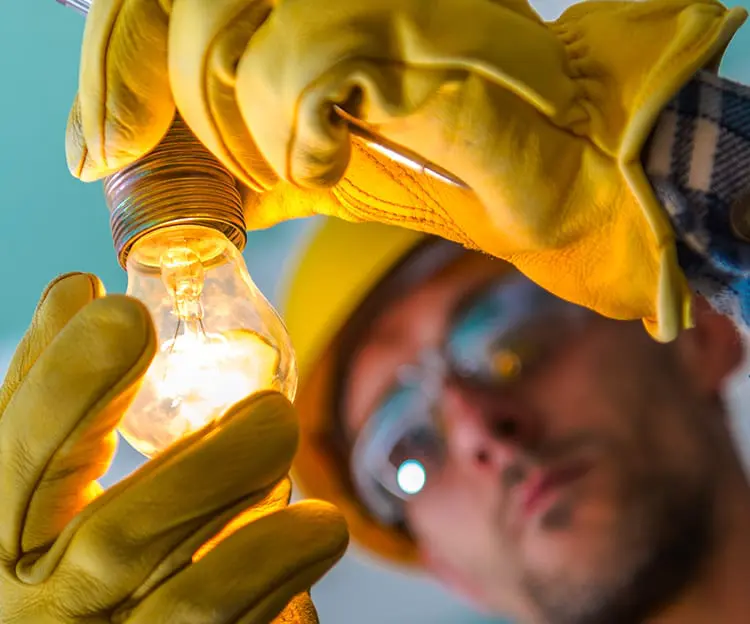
434, 215
412, 215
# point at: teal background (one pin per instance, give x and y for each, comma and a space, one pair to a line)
51, 223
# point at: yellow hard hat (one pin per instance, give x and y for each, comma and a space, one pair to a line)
337, 270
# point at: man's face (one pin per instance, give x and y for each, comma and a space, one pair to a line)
583, 492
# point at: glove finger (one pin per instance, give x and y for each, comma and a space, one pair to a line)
298, 65
162, 513
300, 609
383, 62
251, 576
206, 41
278, 498
60, 302
56, 436
124, 105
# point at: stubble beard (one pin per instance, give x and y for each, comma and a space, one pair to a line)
662, 551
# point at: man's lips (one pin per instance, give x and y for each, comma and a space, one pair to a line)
544, 483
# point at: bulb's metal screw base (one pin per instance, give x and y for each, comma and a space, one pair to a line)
178, 183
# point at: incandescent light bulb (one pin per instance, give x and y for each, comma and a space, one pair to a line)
219, 339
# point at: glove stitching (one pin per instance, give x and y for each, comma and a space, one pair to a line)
368, 210
410, 215
389, 174
435, 215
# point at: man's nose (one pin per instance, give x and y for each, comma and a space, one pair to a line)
486, 430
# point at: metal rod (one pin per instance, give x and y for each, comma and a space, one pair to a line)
82, 6
357, 128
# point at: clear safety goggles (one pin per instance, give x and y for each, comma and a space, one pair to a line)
498, 335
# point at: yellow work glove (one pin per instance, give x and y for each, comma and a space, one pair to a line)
545, 122
70, 553
125, 104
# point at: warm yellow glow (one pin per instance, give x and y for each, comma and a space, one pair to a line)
192, 381
277, 499
202, 374
216, 346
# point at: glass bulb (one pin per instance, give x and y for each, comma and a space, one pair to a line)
219, 339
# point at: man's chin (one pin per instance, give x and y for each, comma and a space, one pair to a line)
567, 570
596, 569
572, 540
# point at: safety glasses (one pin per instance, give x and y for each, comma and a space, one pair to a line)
498, 335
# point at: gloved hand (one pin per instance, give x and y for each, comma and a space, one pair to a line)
125, 104
70, 553
545, 122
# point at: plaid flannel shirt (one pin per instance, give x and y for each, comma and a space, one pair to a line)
698, 161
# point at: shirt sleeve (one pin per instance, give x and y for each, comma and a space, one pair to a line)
698, 161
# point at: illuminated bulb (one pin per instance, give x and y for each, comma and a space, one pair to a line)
219, 340
411, 477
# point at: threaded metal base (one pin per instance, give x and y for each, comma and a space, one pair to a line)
179, 183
